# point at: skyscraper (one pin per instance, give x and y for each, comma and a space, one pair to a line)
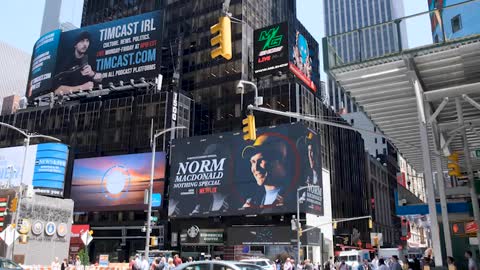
345, 16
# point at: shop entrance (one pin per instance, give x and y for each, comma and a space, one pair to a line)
201, 252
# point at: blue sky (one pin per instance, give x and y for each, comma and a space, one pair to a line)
21, 20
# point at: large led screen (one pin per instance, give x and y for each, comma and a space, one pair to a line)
115, 182
271, 49
45, 166
225, 175
81, 59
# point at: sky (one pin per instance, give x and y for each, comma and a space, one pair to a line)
25, 19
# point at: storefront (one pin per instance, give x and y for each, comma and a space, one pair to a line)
200, 243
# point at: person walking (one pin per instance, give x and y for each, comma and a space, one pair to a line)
472, 264
394, 264
64, 265
170, 265
307, 265
382, 265
365, 265
56, 264
288, 264
176, 260
375, 263
451, 263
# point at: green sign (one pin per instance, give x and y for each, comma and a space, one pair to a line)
153, 219
271, 38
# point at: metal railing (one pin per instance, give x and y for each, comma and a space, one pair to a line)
448, 24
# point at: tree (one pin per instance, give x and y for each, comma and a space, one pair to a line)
84, 259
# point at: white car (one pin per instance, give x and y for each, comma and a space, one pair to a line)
264, 263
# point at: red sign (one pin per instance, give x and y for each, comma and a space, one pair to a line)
75, 240
471, 227
297, 72
401, 179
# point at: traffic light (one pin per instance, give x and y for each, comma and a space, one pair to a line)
13, 205
453, 166
223, 39
249, 128
153, 241
334, 225
300, 232
370, 223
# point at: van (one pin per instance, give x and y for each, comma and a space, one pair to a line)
354, 258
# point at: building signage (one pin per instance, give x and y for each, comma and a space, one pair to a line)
271, 49
195, 235
50, 228
45, 167
110, 52
287, 47
62, 229
115, 182
471, 227
37, 227
225, 175
257, 235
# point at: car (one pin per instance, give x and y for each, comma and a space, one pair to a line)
266, 264
6, 264
218, 265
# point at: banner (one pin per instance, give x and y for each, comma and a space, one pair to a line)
45, 167
110, 52
115, 182
225, 175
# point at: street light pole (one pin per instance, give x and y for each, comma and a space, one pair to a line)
153, 144
299, 225
27, 144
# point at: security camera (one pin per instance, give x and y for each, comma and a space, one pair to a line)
240, 88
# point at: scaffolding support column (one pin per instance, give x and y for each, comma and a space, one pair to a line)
468, 163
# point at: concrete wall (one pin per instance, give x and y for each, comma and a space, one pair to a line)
42, 249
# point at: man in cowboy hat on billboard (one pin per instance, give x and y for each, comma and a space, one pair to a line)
268, 158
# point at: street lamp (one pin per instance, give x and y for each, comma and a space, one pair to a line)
299, 225
153, 144
241, 90
27, 144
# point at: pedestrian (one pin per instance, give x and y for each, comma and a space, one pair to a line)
375, 262
176, 260
190, 259
451, 263
344, 266
406, 264
365, 265
307, 265
288, 264
131, 263
64, 265
56, 264
426, 263
327, 264
394, 264
472, 264
170, 265
381, 264
278, 264
145, 265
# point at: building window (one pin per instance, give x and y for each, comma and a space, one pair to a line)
383, 140
352, 121
456, 23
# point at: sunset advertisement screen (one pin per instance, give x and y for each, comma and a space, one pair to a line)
115, 182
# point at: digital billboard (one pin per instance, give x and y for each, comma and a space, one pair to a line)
225, 175
44, 57
271, 49
45, 167
123, 49
115, 182
303, 59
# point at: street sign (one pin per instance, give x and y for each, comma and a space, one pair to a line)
153, 219
156, 200
86, 238
9, 235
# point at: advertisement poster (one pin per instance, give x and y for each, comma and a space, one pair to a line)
303, 60
76, 242
44, 57
270, 49
45, 167
123, 49
225, 175
115, 182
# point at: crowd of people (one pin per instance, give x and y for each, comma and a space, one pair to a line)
159, 263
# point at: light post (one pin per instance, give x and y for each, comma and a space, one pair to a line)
299, 225
153, 144
27, 144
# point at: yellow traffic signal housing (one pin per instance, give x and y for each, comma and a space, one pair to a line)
223, 39
250, 133
13, 205
300, 232
453, 166
153, 241
334, 225
370, 223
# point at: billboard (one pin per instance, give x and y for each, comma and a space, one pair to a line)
303, 59
225, 175
287, 47
45, 167
123, 49
115, 182
271, 49
44, 57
